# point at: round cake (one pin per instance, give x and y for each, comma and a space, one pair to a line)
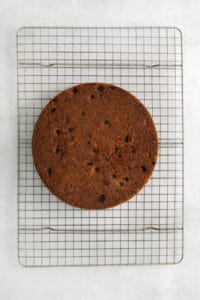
94, 146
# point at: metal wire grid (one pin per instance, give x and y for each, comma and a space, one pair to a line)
148, 229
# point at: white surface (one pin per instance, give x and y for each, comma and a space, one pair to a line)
154, 282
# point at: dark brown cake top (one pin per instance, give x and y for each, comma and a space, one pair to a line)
94, 146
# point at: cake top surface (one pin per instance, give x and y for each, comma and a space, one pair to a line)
94, 146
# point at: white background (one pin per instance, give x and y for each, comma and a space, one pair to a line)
175, 282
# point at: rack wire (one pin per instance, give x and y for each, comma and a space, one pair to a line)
148, 229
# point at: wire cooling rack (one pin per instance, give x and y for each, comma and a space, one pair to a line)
147, 61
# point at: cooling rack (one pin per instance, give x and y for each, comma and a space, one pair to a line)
148, 229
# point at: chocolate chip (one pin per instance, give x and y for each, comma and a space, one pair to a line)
95, 150
127, 139
97, 169
106, 182
49, 171
53, 109
75, 90
112, 87
106, 122
144, 169
116, 149
88, 142
57, 149
114, 175
126, 178
82, 113
92, 97
102, 198
89, 163
58, 132
121, 184
100, 88
153, 163
119, 156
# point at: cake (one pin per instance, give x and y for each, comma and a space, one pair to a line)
94, 146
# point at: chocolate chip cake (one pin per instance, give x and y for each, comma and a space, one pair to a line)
94, 146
